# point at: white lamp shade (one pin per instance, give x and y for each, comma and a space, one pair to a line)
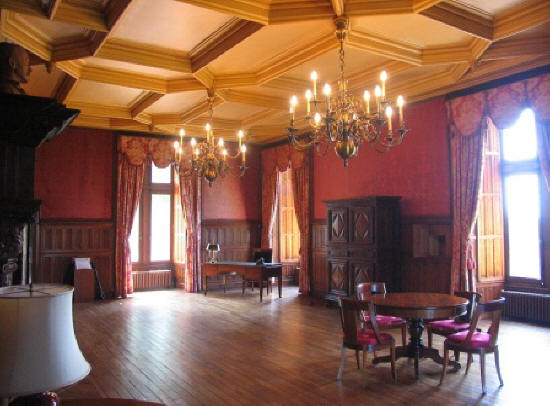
38, 349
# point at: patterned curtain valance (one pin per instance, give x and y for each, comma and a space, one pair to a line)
502, 104
279, 158
139, 149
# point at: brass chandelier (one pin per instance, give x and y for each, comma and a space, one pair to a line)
346, 122
207, 159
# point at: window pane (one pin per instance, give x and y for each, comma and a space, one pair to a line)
160, 175
160, 227
134, 238
523, 214
519, 142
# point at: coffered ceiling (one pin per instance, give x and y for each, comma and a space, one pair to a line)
145, 65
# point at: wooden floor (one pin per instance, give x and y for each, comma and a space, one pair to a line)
188, 349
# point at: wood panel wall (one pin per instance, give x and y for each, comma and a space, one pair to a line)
319, 257
62, 240
426, 254
237, 238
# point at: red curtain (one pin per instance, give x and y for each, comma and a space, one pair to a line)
467, 118
190, 192
279, 159
133, 153
130, 185
302, 207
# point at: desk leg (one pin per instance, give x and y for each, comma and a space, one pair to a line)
280, 284
260, 282
205, 283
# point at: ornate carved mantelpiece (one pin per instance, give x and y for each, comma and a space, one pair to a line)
25, 122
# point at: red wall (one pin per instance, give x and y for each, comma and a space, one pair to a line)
233, 197
74, 175
417, 170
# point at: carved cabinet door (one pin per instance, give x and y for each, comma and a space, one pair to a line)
361, 225
338, 276
360, 271
338, 224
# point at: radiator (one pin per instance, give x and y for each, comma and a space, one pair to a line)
152, 279
527, 306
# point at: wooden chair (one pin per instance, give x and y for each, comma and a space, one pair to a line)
474, 341
361, 338
461, 323
385, 323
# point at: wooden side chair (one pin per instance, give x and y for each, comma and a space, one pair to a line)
461, 323
385, 323
361, 338
474, 341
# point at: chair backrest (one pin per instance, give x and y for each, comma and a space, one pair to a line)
349, 311
366, 289
473, 300
494, 309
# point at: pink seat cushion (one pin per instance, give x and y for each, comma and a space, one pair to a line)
367, 337
446, 327
384, 321
479, 340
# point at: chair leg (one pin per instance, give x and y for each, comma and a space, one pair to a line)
482, 363
470, 358
404, 334
445, 362
430, 337
357, 359
364, 358
244, 285
224, 284
457, 355
342, 363
497, 365
392, 355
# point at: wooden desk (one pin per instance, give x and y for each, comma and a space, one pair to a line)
417, 307
248, 270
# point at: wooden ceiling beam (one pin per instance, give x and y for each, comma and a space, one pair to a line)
52, 8
28, 7
287, 12
121, 78
100, 110
246, 9
144, 102
378, 7
421, 5
64, 89
386, 47
217, 123
337, 7
459, 53
260, 116
81, 14
521, 17
462, 17
513, 48
145, 55
254, 99
25, 35
221, 40
371, 76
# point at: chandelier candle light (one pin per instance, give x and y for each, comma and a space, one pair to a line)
207, 159
347, 122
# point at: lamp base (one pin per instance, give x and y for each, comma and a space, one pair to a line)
38, 399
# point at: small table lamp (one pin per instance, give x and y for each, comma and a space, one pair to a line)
38, 348
213, 249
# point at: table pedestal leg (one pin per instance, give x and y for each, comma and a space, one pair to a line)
416, 350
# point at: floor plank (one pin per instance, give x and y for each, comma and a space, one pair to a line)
187, 349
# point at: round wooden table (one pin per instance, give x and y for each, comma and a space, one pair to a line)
416, 307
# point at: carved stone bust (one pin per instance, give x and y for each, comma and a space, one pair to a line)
14, 68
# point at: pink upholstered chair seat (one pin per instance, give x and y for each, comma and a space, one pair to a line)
385, 321
367, 337
446, 327
479, 340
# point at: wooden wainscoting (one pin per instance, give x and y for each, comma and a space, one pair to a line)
319, 257
426, 254
62, 240
237, 238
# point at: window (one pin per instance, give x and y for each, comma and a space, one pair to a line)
509, 212
287, 242
522, 197
153, 240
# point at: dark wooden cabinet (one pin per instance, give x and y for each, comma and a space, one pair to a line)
363, 244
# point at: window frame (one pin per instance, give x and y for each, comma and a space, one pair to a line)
510, 168
145, 214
